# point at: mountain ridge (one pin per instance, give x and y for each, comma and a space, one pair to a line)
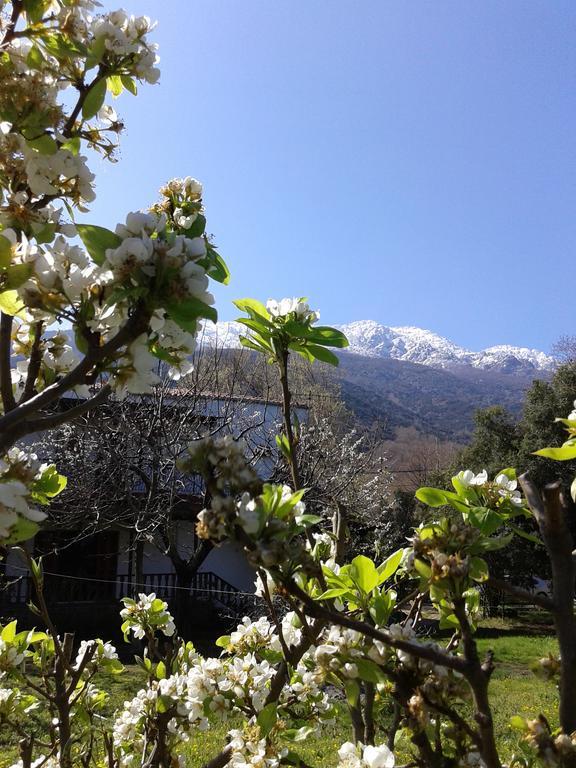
414, 345
398, 377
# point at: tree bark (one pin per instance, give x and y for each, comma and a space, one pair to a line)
549, 513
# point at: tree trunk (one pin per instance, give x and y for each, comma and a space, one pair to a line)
183, 615
550, 516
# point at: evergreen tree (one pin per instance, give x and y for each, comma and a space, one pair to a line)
545, 401
495, 443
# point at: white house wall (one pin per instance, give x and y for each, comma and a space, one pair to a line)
227, 561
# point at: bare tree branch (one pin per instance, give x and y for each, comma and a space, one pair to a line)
520, 594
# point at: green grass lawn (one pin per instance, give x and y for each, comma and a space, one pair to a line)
513, 654
514, 690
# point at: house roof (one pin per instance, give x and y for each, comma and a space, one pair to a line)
214, 396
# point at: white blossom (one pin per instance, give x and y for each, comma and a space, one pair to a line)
298, 307
360, 756
467, 477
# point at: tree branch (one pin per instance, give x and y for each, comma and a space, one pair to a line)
420, 650
8, 400
521, 594
11, 28
33, 365
56, 419
14, 424
220, 760
478, 678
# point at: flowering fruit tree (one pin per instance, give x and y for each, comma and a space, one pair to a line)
134, 297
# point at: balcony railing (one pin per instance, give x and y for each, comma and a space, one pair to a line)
60, 589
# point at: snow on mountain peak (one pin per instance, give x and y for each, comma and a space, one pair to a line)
415, 345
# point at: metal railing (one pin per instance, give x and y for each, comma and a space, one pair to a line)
66, 589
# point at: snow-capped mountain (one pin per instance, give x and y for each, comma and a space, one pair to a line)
415, 345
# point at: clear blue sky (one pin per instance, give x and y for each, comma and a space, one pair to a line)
408, 162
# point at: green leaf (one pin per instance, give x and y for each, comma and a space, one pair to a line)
320, 353
34, 9
46, 234
486, 520
478, 569
252, 307
97, 240
80, 339
352, 690
72, 145
369, 671
308, 520
22, 530
96, 52
115, 85
252, 343
35, 59
187, 312
364, 573
17, 274
163, 703
44, 145
94, 99
433, 497
197, 230
448, 620
218, 269
381, 607
494, 543
37, 569
390, 566
525, 535
422, 568
267, 718
565, 453
9, 632
5, 252
331, 594
160, 670
302, 350
129, 84
297, 329
256, 324
115, 666
223, 642
63, 47
570, 423
339, 580
163, 354
283, 445
327, 337
48, 485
